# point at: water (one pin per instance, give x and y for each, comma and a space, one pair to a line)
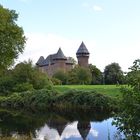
74, 125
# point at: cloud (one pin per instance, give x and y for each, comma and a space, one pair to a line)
97, 8
39, 44
46, 132
92, 7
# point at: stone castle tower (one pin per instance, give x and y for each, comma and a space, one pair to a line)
82, 55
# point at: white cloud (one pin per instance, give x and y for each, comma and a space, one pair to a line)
92, 7
39, 44
71, 131
48, 133
97, 8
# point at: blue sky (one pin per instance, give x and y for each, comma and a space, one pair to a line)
109, 28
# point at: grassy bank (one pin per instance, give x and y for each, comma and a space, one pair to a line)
110, 90
70, 99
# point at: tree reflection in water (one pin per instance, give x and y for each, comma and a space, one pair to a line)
74, 125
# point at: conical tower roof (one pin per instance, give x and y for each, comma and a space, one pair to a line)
40, 60
82, 49
60, 55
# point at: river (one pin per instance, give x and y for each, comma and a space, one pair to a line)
58, 125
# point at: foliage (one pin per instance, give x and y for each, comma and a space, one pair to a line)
128, 120
22, 78
97, 77
84, 99
133, 77
56, 81
79, 75
23, 87
45, 99
35, 99
62, 76
6, 83
113, 74
109, 90
12, 37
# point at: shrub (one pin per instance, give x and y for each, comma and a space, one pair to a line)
6, 84
22, 78
44, 99
56, 81
23, 87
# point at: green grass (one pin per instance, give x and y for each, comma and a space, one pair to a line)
111, 90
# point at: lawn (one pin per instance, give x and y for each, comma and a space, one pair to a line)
111, 90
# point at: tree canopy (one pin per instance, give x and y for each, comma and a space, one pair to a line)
62, 76
113, 74
97, 77
12, 37
79, 75
22, 78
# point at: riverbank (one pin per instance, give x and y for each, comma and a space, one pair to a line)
71, 99
110, 90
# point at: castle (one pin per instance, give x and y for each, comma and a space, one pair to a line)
59, 61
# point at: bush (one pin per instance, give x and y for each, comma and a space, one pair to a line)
45, 99
85, 99
22, 78
56, 81
23, 87
6, 84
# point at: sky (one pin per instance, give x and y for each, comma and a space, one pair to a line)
110, 29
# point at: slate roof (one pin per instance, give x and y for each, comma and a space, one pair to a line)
40, 60
82, 49
60, 55
52, 57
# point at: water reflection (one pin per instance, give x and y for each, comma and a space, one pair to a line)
57, 126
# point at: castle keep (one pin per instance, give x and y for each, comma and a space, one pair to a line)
59, 61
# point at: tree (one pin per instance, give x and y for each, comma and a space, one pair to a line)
22, 78
96, 75
79, 75
12, 37
133, 77
113, 74
60, 75
128, 120
25, 72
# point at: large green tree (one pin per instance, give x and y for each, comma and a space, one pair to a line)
79, 75
62, 76
97, 76
12, 37
113, 74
